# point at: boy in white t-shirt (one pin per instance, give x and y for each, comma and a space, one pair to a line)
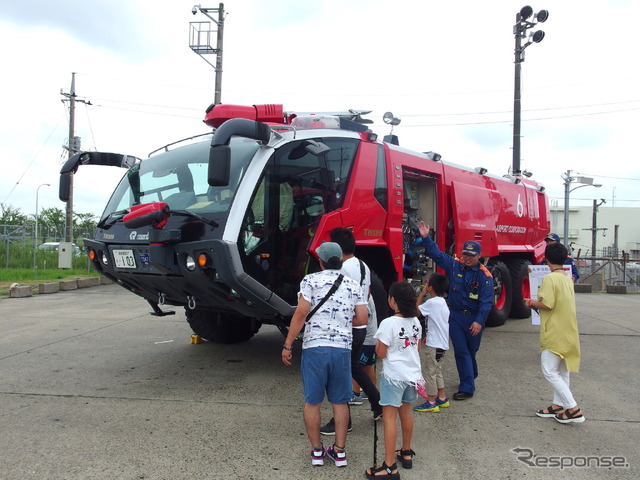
436, 313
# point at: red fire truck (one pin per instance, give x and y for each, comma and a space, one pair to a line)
226, 224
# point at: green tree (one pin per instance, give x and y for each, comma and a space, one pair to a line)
84, 225
53, 220
10, 215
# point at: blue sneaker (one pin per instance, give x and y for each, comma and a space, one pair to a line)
442, 402
427, 407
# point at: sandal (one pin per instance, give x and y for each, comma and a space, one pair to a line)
549, 412
570, 417
400, 454
371, 473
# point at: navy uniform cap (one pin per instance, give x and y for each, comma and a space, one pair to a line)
553, 237
472, 248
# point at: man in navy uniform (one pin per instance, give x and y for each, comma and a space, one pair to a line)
553, 238
470, 300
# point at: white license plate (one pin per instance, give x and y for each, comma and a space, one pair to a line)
124, 259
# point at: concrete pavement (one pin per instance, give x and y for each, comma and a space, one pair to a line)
93, 387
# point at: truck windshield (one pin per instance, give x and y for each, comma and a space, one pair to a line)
179, 178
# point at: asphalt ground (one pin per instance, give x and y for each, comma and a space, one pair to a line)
93, 387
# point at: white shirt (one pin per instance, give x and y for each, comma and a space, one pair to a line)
401, 335
437, 313
331, 325
351, 268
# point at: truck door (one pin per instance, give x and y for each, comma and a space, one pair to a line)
474, 216
296, 189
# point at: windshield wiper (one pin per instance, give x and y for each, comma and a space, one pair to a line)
113, 216
186, 213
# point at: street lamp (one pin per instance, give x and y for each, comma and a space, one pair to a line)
520, 31
35, 237
568, 179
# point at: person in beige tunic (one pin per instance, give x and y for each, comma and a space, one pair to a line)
559, 341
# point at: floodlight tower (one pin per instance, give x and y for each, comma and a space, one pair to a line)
200, 34
520, 31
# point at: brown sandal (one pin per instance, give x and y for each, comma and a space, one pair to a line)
549, 412
371, 473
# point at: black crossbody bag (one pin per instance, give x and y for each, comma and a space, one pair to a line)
331, 291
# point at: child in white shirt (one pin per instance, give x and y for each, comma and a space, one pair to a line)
398, 340
436, 313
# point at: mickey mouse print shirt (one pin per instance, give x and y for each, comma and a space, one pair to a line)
402, 363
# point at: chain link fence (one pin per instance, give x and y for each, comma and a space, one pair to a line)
17, 244
604, 272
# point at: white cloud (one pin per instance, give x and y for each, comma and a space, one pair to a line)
424, 61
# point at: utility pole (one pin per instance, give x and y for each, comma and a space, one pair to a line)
73, 147
594, 230
68, 229
200, 42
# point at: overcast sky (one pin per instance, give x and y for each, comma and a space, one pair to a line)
445, 68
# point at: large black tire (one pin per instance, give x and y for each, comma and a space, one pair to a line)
380, 300
502, 286
519, 270
221, 327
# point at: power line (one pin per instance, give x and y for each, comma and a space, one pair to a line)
615, 178
150, 112
32, 160
510, 120
510, 111
147, 105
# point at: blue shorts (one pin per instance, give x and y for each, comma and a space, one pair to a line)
392, 394
368, 356
326, 369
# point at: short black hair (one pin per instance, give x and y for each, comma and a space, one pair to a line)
345, 238
556, 253
405, 297
334, 263
439, 283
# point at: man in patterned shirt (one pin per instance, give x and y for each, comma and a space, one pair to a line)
326, 348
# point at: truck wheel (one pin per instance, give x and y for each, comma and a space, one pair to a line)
519, 270
221, 328
379, 295
502, 294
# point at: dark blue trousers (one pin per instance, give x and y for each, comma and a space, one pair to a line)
465, 347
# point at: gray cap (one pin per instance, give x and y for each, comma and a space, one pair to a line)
328, 250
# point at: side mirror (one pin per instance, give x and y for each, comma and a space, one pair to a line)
65, 186
219, 165
90, 158
220, 153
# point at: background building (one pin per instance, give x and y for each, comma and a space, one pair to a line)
618, 230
